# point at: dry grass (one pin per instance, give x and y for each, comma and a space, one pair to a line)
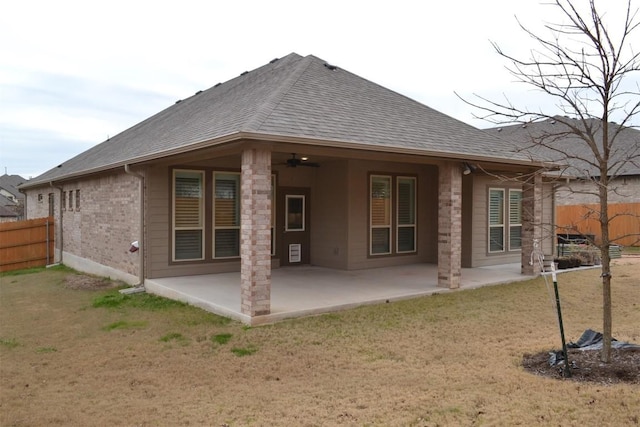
451, 359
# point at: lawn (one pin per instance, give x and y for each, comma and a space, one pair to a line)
74, 356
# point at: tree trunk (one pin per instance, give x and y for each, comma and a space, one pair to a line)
605, 355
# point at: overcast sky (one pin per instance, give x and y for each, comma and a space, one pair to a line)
73, 73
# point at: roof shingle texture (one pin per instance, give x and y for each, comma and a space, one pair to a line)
553, 140
295, 97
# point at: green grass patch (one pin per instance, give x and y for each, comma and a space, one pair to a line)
221, 338
33, 270
114, 299
21, 272
9, 342
173, 336
46, 350
240, 352
124, 324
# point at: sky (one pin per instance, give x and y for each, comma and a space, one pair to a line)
74, 73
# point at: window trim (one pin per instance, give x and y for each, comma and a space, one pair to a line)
510, 225
414, 225
506, 225
389, 226
77, 200
286, 210
492, 226
203, 174
214, 227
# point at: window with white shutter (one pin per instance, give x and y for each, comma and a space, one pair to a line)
406, 215
226, 208
496, 220
515, 220
188, 215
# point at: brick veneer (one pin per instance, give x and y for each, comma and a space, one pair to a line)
449, 225
255, 235
102, 228
531, 221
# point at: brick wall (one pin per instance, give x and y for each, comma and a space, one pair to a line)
102, 228
255, 234
449, 225
622, 190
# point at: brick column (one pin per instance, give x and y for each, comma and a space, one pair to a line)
449, 225
255, 234
531, 221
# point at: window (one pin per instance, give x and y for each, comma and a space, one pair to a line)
188, 213
505, 220
226, 229
295, 213
77, 200
380, 215
496, 220
273, 214
63, 203
515, 220
406, 215
40, 198
388, 224
71, 200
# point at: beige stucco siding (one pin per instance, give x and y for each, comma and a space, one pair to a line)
475, 222
329, 210
358, 184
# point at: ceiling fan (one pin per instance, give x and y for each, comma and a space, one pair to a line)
295, 162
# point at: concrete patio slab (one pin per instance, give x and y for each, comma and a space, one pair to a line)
309, 290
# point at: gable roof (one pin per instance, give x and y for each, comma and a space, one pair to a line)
300, 99
10, 183
553, 141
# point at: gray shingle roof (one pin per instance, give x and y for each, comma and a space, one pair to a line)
11, 183
295, 97
553, 141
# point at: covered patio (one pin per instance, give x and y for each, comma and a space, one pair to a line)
310, 290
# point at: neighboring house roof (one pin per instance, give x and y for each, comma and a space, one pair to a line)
10, 184
293, 99
553, 140
5, 201
6, 212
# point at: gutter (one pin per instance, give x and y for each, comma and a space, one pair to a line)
60, 189
141, 243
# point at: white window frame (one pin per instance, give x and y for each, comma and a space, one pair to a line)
173, 214
286, 212
386, 226
508, 218
413, 225
492, 226
213, 213
273, 214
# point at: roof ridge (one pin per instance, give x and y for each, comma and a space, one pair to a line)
273, 100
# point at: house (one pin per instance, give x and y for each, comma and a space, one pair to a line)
296, 162
577, 200
11, 199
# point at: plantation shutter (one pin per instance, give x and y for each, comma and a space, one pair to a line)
406, 222
227, 215
515, 219
380, 214
188, 215
496, 220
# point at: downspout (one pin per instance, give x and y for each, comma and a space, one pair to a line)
141, 243
60, 189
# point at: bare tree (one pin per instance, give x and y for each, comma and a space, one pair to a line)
588, 66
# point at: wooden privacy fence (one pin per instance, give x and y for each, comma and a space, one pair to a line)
624, 229
26, 244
